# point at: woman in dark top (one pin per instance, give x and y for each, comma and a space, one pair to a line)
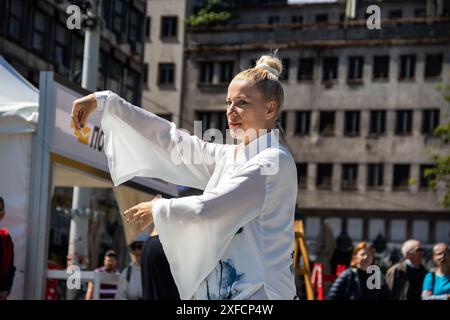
157, 280
354, 283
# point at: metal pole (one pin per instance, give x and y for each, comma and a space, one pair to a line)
79, 225
91, 46
40, 189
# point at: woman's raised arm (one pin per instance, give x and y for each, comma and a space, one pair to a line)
139, 143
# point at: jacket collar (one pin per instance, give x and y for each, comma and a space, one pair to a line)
265, 141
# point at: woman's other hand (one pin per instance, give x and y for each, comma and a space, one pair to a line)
141, 213
81, 109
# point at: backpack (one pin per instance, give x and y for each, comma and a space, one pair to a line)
433, 280
129, 273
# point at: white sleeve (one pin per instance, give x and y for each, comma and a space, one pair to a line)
195, 231
139, 143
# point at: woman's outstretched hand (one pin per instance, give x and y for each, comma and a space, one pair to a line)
141, 213
81, 109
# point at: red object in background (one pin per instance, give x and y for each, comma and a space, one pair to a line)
52, 284
317, 278
340, 268
332, 277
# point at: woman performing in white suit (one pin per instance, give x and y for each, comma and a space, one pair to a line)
236, 240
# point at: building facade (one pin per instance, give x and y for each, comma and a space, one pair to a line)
164, 57
34, 37
360, 107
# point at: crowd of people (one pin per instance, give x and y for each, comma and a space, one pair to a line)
406, 280
148, 274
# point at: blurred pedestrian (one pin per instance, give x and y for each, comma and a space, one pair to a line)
7, 269
157, 280
107, 291
436, 285
405, 279
130, 281
352, 284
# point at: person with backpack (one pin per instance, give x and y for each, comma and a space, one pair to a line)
130, 280
436, 285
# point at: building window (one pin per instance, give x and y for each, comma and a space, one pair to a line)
305, 69
135, 31
407, 66
401, 177
395, 14
283, 120
403, 122
297, 19
116, 74
167, 116
377, 122
61, 58
77, 58
169, 27
206, 72
351, 127
118, 19
226, 71
433, 65
166, 74
420, 13
302, 175
16, 16
132, 84
381, 67
375, 175
349, 176
355, 68
324, 176
40, 32
302, 122
430, 120
148, 28
145, 75
284, 76
101, 74
330, 68
425, 176
273, 19
321, 18
213, 120
326, 123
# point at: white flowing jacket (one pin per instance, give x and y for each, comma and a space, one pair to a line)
236, 240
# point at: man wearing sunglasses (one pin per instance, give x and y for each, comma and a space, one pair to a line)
405, 279
130, 281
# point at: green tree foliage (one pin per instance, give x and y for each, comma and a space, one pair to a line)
441, 173
212, 12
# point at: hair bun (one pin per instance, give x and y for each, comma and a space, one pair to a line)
272, 64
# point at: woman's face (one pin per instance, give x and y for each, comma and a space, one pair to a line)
441, 255
364, 258
247, 112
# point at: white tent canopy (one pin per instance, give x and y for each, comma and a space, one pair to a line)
18, 118
18, 124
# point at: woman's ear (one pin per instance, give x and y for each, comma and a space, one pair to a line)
272, 109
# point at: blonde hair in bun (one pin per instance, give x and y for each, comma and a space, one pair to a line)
271, 64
